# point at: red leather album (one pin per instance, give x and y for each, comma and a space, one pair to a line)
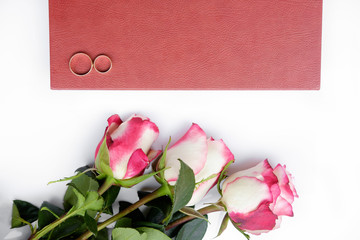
185, 44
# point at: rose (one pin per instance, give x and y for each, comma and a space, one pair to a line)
206, 157
256, 198
129, 145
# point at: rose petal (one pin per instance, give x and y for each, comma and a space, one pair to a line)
258, 232
153, 154
137, 163
275, 191
260, 219
245, 194
268, 175
201, 190
136, 131
191, 148
114, 119
291, 182
283, 178
113, 122
282, 207
218, 156
262, 171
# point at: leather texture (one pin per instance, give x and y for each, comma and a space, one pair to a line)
188, 44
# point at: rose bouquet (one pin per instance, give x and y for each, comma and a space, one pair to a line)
254, 200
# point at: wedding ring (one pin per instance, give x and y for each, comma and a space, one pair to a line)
102, 64
80, 64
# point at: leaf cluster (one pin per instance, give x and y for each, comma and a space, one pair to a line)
83, 206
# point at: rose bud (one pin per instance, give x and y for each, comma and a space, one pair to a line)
206, 157
129, 145
256, 198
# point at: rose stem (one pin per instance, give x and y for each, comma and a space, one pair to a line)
106, 185
162, 191
203, 211
50, 227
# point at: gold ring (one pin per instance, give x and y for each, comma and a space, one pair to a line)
80, 64
102, 64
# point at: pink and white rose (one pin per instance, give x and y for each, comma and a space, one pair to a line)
205, 156
129, 145
258, 197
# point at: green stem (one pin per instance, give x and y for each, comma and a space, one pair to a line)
109, 181
49, 227
203, 211
162, 191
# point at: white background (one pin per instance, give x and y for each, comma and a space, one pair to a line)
45, 134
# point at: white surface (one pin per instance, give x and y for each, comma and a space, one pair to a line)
46, 135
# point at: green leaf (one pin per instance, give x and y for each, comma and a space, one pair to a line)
172, 232
109, 197
127, 234
135, 215
184, 187
194, 229
80, 200
135, 180
155, 215
183, 190
164, 203
153, 234
91, 223
83, 184
47, 214
92, 201
224, 224
23, 213
159, 227
72, 177
51, 212
102, 161
124, 222
16, 220
240, 230
192, 212
223, 175
219, 206
102, 235
69, 227
161, 164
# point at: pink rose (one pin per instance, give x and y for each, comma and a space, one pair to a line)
256, 198
205, 156
129, 145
